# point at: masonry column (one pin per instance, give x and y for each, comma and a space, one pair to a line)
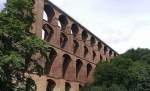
38, 15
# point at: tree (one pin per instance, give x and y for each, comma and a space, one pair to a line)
17, 45
127, 72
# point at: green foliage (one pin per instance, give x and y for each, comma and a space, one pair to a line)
113, 87
137, 54
127, 72
105, 74
32, 44
17, 45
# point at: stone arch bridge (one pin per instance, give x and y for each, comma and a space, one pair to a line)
73, 50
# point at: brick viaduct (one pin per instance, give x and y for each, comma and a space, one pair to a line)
73, 50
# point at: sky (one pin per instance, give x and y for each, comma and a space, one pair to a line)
122, 24
2, 4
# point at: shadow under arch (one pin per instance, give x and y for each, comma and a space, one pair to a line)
67, 86
66, 61
52, 56
47, 32
49, 11
89, 69
50, 85
79, 65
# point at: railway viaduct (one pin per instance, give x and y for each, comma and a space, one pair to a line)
73, 50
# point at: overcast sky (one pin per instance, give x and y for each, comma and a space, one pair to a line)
122, 24
2, 4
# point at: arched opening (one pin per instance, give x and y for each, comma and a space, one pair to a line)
44, 34
105, 50
30, 85
67, 87
66, 62
85, 51
48, 12
80, 87
99, 46
106, 59
75, 46
52, 56
45, 17
110, 52
94, 55
51, 85
47, 32
74, 29
84, 35
63, 21
115, 54
63, 40
89, 68
93, 41
101, 58
78, 67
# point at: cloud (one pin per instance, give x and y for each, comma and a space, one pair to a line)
2, 2
122, 24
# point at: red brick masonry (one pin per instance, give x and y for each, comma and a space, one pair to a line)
74, 51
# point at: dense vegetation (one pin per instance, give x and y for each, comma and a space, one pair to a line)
17, 45
127, 72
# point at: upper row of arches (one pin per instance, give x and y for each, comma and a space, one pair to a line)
48, 31
49, 13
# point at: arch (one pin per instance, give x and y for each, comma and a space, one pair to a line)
63, 40
110, 52
89, 68
63, 21
74, 29
99, 46
30, 85
51, 85
115, 54
85, 51
44, 34
106, 59
75, 46
94, 55
66, 61
47, 32
101, 58
105, 50
84, 35
79, 65
67, 86
45, 17
93, 41
48, 12
80, 87
52, 56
